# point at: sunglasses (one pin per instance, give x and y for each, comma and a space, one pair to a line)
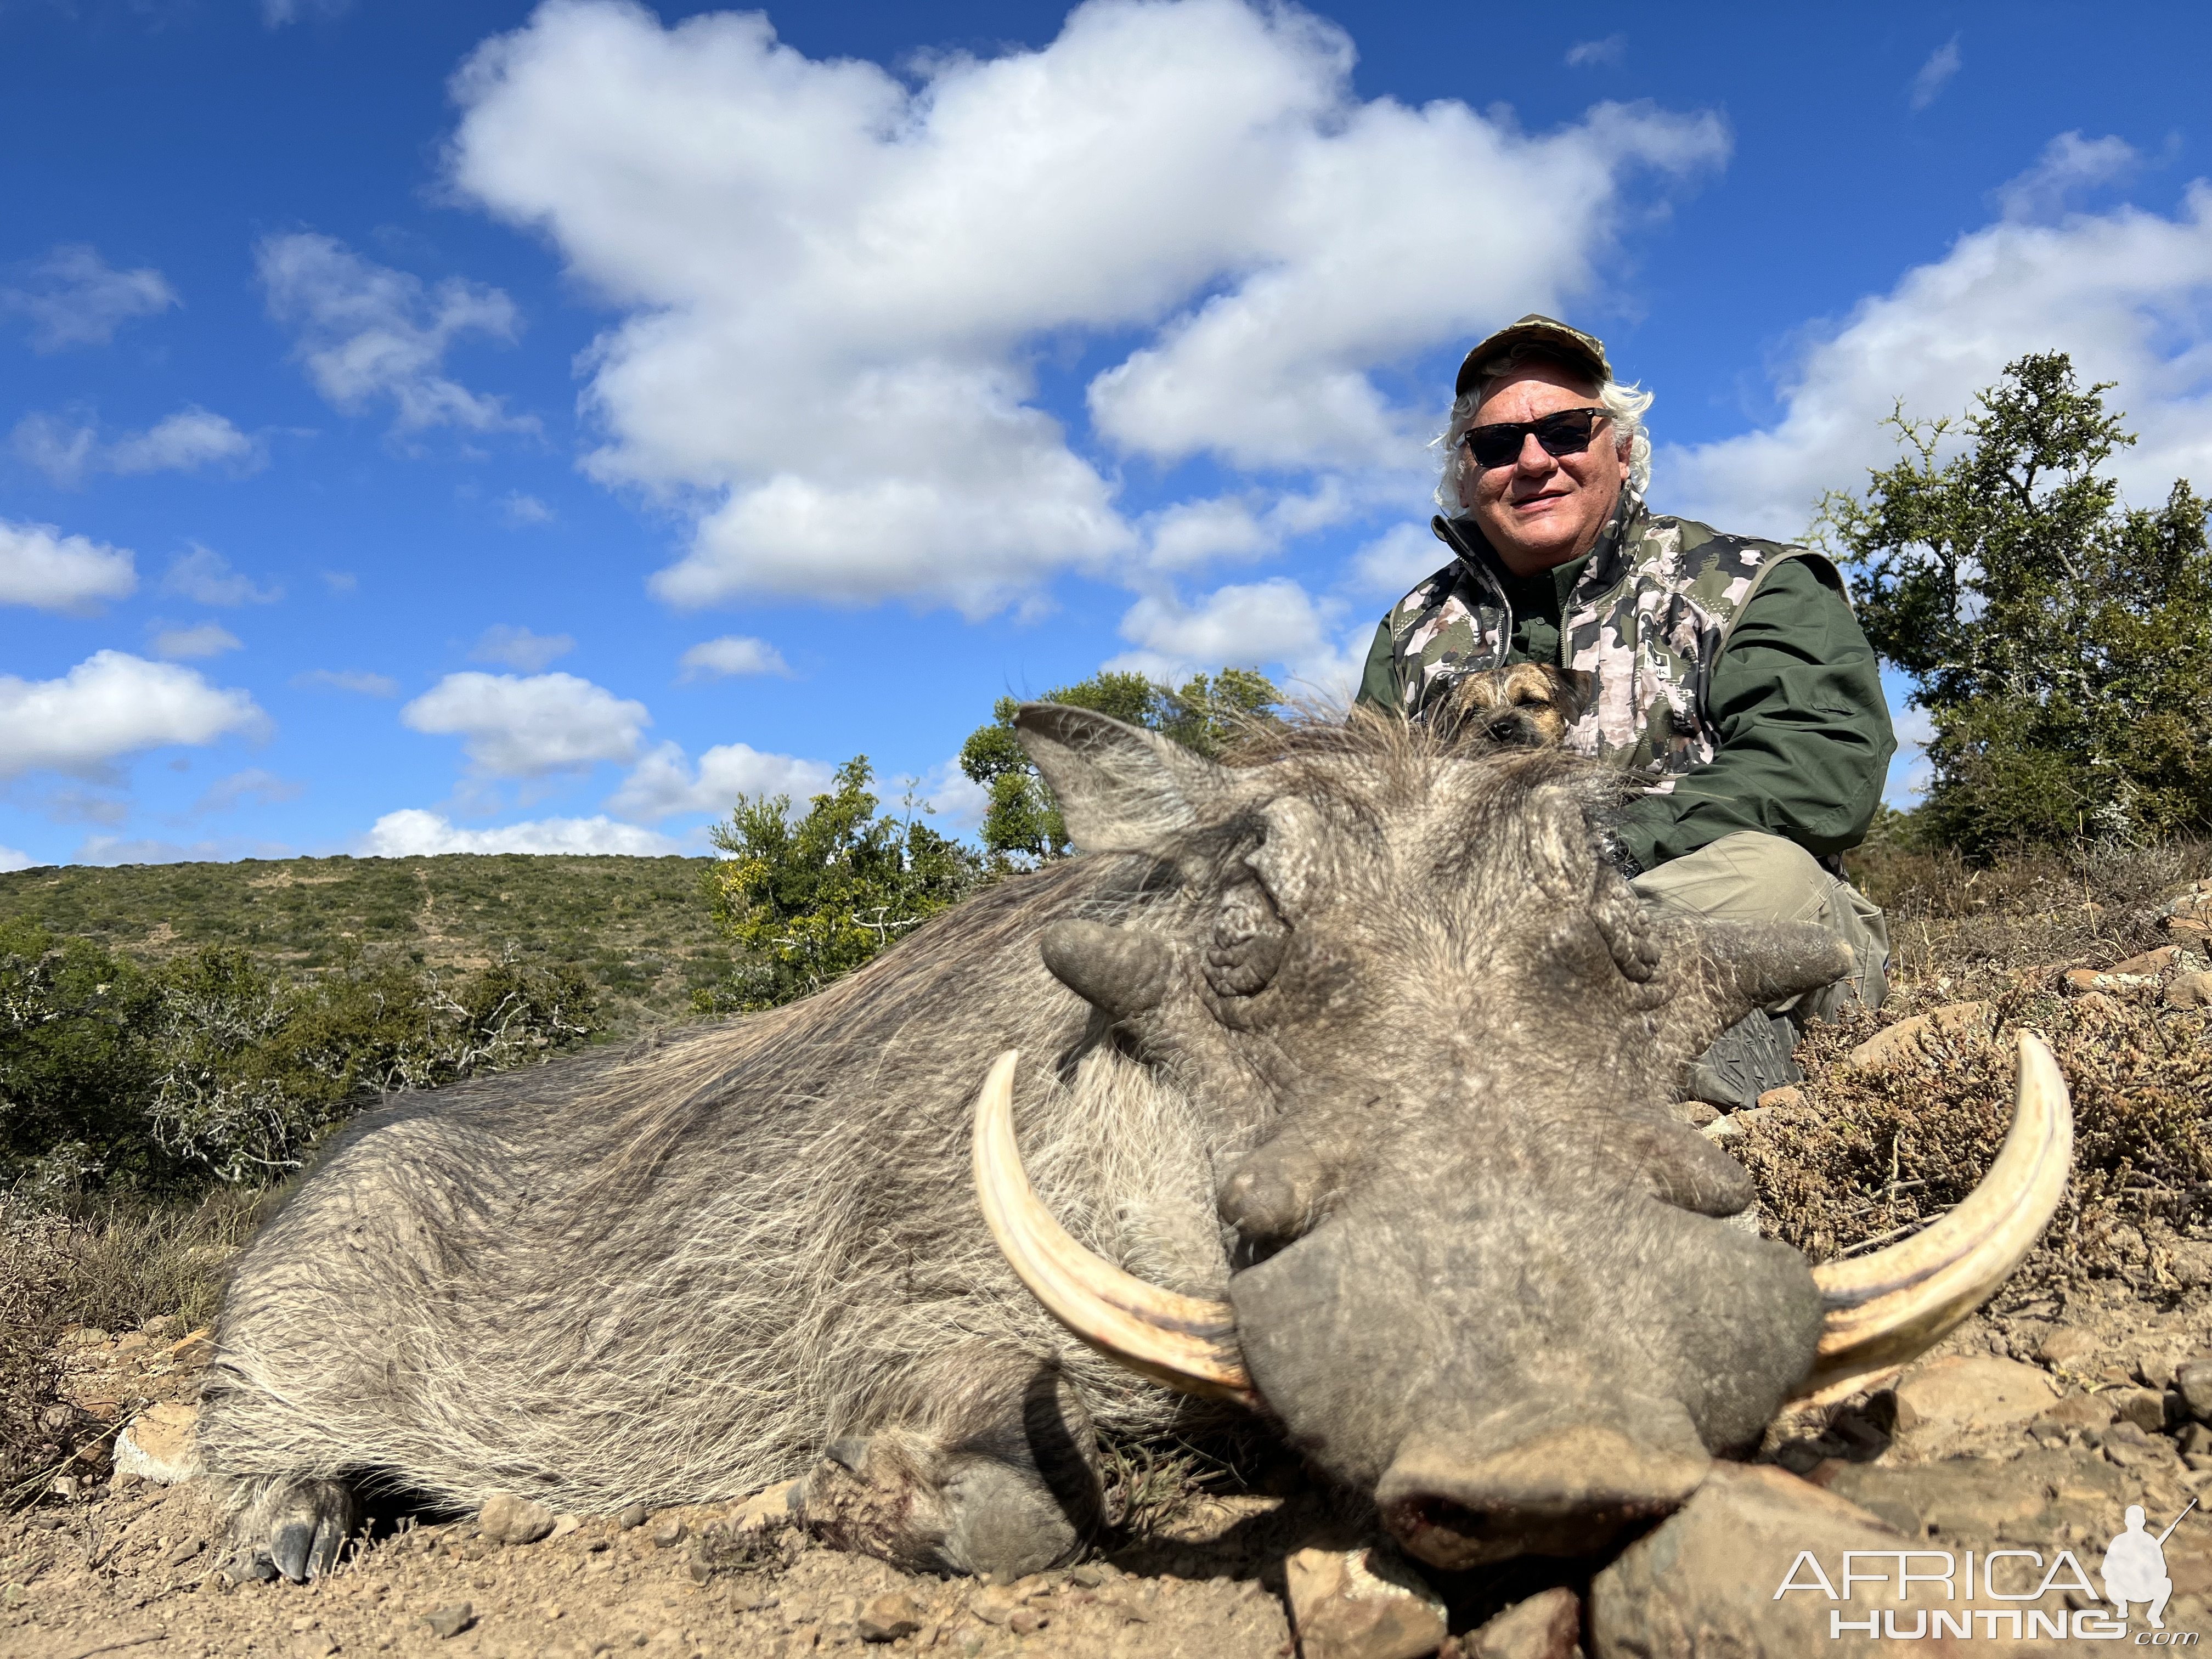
1566, 433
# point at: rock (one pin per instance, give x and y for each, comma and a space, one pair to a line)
668, 1532
1696, 1113
452, 1619
507, 1519
2067, 1346
1963, 1498
889, 1616
2143, 1407
994, 1603
161, 1445
1026, 1621
1361, 1604
1961, 1390
1788, 1095
2079, 1411
2190, 991
775, 1507
2194, 1380
2150, 961
631, 1515
563, 1525
1900, 1043
1545, 1626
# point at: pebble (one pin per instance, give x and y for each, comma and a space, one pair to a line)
452, 1619
1895, 1044
2143, 1407
2067, 1346
1361, 1604
630, 1516
668, 1532
1545, 1626
1978, 1389
161, 1444
507, 1519
2190, 991
2194, 1380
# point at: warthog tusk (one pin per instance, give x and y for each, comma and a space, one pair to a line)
1186, 1342
1883, 1308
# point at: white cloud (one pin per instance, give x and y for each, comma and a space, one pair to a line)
954, 796
74, 297
42, 567
2070, 164
666, 783
251, 787
874, 264
414, 833
183, 442
1274, 624
518, 648
517, 727
360, 680
341, 582
276, 13
1603, 54
206, 639
205, 577
731, 655
1936, 74
110, 705
368, 334
12, 859
1389, 565
1910, 772
2125, 293
518, 509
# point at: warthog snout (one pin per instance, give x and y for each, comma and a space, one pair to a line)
1572, 1488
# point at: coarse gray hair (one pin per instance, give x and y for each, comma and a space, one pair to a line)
1624, 403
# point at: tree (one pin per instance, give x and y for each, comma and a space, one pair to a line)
1023, 826
812, 900
2060, 641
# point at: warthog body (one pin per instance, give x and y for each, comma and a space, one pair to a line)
1367, 1040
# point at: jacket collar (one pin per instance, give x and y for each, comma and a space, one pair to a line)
1608, 558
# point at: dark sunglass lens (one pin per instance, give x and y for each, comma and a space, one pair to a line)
1495, 446
1567, 433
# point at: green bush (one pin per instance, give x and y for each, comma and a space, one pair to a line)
2060, 641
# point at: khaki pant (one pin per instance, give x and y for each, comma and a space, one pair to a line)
1750, 877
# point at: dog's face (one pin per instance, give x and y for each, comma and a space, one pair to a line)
1528, 705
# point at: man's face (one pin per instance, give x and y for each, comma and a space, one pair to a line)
1543, 509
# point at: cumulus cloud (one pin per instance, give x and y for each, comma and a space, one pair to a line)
68, 453
1936, 74
110, 705
276, 13
205, 639
664, 783
205, 577
1598, 54
518, 509
368, 334
2128, 293
526, 727
42, 567
953, 796
135, 849
2070, 165
73, 297
1910, 772
873, 263
731, 655
359, 680
414, 833
513, 647
1388, 566
1275, 625
12, 859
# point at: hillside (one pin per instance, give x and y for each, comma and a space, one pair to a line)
638, 926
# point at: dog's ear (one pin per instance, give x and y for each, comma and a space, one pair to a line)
1577, 687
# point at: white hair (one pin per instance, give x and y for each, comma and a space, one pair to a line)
1624, 403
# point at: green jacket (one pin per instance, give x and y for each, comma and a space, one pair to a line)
1730, 673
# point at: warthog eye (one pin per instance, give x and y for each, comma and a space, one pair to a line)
1248, 943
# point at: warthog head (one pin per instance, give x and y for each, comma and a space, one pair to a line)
1479, 1270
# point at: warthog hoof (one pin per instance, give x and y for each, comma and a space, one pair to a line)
296, 1528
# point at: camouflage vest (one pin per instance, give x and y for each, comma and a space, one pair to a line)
1648, 616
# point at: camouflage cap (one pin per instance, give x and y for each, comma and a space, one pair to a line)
1570, 345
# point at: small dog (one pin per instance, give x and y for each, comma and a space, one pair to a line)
1526, 705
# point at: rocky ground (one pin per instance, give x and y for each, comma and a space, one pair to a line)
2074, 1394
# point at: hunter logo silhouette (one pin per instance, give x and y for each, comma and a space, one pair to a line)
2135, 1567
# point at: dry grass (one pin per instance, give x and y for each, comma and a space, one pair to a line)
1879, 1153
114, 1265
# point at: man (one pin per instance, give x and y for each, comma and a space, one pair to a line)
1729, 673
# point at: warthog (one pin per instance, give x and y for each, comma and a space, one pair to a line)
1340, 1097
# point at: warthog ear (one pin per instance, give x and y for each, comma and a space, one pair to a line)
1121, 789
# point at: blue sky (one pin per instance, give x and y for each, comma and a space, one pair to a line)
473, 426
